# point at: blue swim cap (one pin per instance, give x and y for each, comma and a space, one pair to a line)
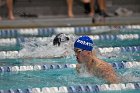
84, 42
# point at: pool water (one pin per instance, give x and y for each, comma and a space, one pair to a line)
55, 77
67, 76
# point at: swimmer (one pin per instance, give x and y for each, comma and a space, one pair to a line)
59, 38
87, 60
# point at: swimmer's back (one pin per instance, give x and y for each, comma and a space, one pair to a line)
105, 70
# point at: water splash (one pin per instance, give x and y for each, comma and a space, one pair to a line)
43, 48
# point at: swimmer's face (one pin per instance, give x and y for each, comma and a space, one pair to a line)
81, 55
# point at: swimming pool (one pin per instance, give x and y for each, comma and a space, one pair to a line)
27, 66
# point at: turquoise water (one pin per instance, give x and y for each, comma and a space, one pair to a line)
68, 77
50, 78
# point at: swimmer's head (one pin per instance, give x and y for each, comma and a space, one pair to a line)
59, 38
84, 43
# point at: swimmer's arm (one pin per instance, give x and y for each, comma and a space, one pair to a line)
108, 73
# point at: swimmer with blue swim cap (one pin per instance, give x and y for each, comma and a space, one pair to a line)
84, 52
84, 42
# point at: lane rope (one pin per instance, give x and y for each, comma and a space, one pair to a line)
116, 65
78, 88
18, 54
18, 40
69, 30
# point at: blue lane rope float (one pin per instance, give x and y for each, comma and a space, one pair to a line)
69, 30
89, 88
8, 33
46, 31
116, 65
